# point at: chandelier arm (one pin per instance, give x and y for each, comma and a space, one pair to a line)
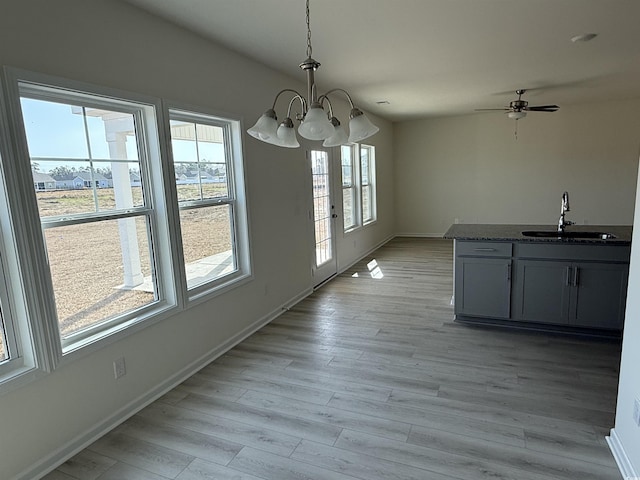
326, 95
304, 103
322, 99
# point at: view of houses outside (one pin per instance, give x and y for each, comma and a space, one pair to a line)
65, 178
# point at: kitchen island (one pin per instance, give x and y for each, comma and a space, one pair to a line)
534, 277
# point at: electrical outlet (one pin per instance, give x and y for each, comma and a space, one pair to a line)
119, 368
636, 412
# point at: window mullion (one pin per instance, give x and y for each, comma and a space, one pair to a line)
30, 262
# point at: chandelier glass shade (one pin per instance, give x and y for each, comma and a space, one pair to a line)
287, 135
316, 123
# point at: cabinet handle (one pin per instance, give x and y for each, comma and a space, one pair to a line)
576, 276
485, 249
509, 273
567, 276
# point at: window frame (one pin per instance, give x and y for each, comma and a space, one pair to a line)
351, 187
369, 185
13, 349
236, 199
34, 352
40, 293
358, 185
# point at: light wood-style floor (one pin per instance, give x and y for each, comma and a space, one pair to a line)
371, 379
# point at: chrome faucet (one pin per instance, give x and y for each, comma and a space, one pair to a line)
564, 208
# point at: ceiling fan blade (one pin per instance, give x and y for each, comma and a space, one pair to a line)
543, 108
492, 109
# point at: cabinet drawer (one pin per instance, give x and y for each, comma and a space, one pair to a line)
574, 251
483, 249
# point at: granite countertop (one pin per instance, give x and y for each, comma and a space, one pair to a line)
478, 231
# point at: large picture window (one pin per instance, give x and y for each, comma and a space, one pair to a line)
89, 160
204, 162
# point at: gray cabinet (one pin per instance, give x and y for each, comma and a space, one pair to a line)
574, 285
542, 292
565, 285
483, 287
582, 294
483, 279
599, 295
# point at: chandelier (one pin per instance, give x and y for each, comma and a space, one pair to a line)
315, 122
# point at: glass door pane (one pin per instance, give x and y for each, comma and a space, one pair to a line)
321, 206
325, 259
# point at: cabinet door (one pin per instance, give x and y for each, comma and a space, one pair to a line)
483, 287
542, 291
600, 295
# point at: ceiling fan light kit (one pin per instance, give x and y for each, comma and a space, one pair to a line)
518, 108
517, 115
316, 123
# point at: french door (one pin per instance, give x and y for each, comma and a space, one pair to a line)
325, 264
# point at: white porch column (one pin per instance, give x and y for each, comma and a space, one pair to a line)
116, 134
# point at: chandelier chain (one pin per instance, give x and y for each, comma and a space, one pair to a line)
308, 33
315, 122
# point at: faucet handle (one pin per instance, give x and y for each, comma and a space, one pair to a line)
569, 222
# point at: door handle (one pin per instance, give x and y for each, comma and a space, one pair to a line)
334, 215
567, 276
576, 276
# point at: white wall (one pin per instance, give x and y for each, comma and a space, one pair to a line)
626, 434
473, 168
111, 44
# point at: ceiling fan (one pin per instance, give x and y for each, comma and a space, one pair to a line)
518, 108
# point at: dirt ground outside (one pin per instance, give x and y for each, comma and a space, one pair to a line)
86, 261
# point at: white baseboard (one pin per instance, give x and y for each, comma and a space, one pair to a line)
420, 235
624, 464
73, 447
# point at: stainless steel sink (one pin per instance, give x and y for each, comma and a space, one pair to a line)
565, 234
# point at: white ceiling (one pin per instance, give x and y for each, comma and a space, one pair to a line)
434, 57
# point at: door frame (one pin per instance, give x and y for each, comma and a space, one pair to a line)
327, 270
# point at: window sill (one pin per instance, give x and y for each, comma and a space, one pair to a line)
74, 350
197, 296
18, 378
